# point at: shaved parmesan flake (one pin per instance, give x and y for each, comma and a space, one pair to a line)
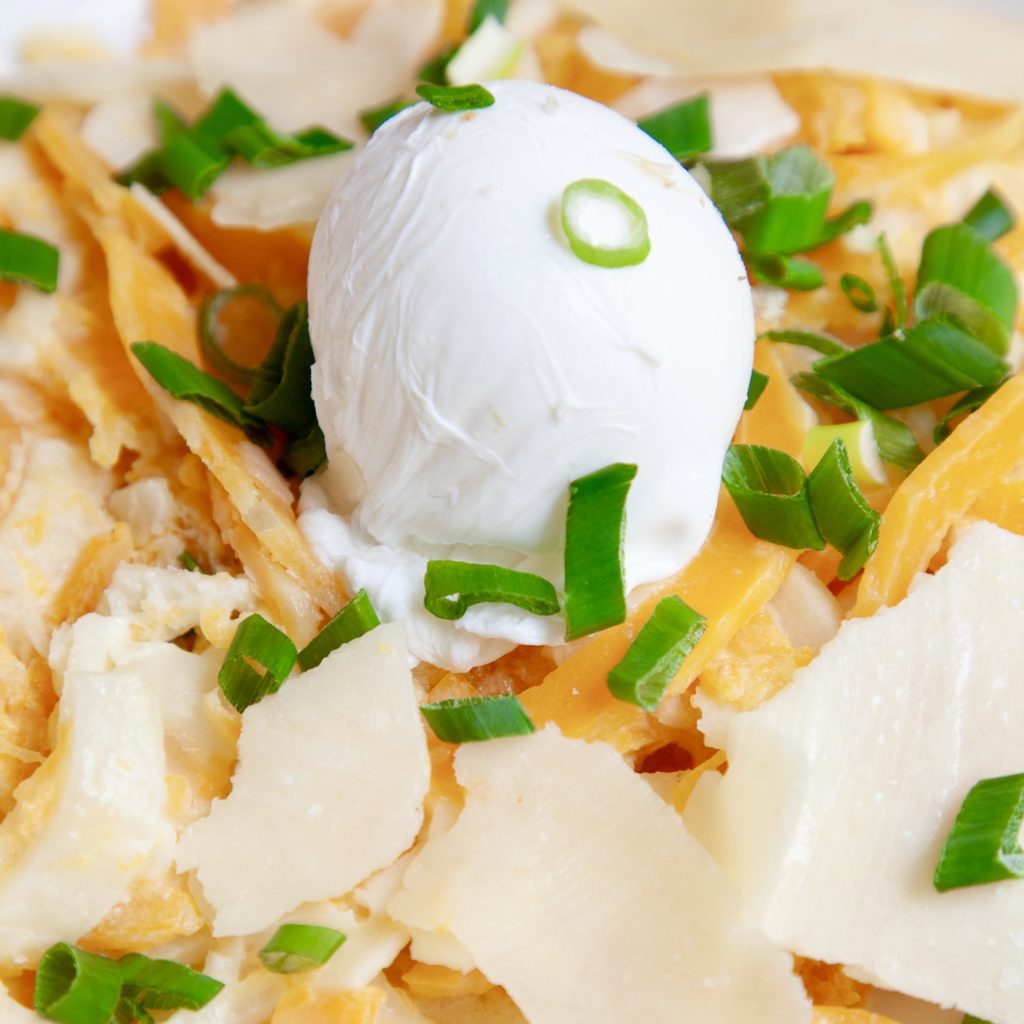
329, 788
89, 818
121, 128
851, 777
806, 609
85, 82
56, 509
566, 875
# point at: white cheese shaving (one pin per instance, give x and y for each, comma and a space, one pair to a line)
842, 789
89, 818
579, 891
806, 609
329, 788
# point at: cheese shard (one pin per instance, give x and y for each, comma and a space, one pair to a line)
842, 789
88, 820
577, 889
329, 788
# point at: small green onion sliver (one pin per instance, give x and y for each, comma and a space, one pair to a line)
654, 656
595, 528
991, 216
683, 129
373, 118
15, 116
474, 719
164, 984
755, 389
356, 618
816, 341
897, 289
300, 947
970, 402
28, 260
255, 641
209, 327
859, 292
769, 488
76, 987
790, 272
452, 587
984, 843
452, 99
631, 248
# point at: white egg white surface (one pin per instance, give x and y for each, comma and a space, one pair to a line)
469, 365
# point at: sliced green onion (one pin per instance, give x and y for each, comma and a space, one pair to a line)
282, 389
595, 529
76, 987
769, 488
684, 129
472, 719
859, 292
454, 98
897, 289
971, 402
256, 645
28, 260
842, 515
738, 188
452, 587
816, 341
984, 843
146, 172
484, 9
433, 72
631, 244
265, 148
858, 438
490, 52
15, 116
300, 947
854, 215
962, 277
933, 358
356, 618
793, 215
225, 114
373, 118
971, 1019
183, 160
758, 382
209, 327
895, 441
785, 271
164, 984
187, 561
305, 455
991, 216
656, 653
186, 382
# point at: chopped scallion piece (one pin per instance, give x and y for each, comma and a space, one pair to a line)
183, 160
654, 656
842, 515
186, 382
769, 488
227, 112
261, 146
187, 561
305, 455
970, 1019
28, 260
300, 947
932, 359
858, 438
962, 277
859, 292
165, 985
990, 216
984, 843
897, 289
895, 441
473, 719
76, 987
373, 118
580, 202
595, 586
785, 271
854, 215
15, 116
738, 188
452, 587
816, 341
356, 618
684, 129
758, 382
256, 646
210, 334
454, 98
433, 72
484, 9
282, 389
971, 402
